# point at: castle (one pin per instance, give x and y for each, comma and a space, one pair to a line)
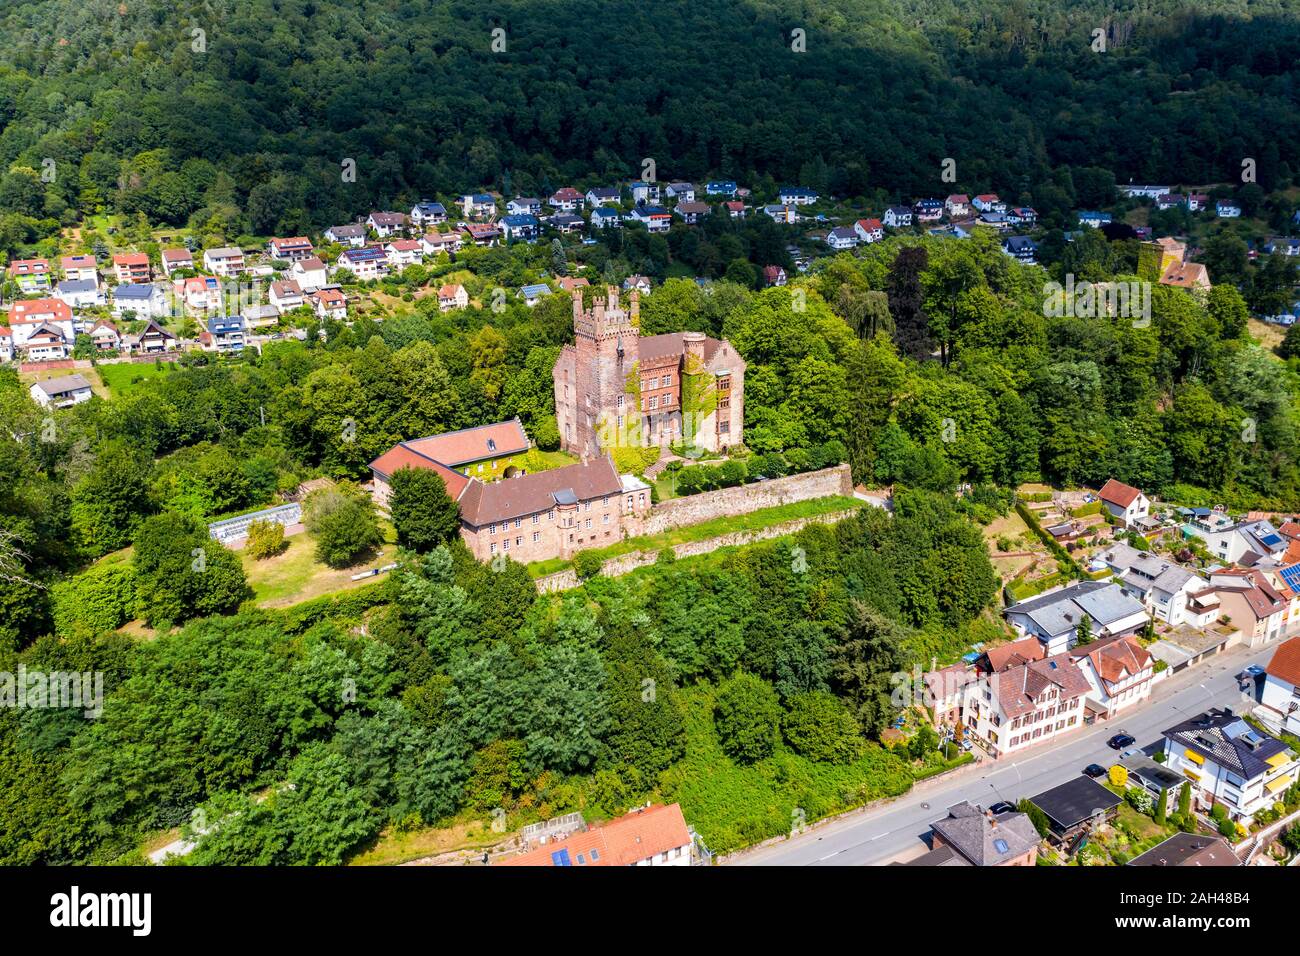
617, 388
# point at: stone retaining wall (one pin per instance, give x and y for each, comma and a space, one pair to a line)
626, 563
725, 502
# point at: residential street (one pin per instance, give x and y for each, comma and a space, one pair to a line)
894, 831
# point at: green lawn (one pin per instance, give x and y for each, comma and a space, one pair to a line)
753, 521
124, 377
296, 576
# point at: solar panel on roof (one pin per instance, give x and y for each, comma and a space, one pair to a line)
1271, 540
561, 857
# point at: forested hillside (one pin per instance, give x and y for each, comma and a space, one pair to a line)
247, 134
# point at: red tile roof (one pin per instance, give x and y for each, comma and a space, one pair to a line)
1019, 652
1285, 664
640, 835
1120, 659
131, 259
1116, 492
400, 456
39, 310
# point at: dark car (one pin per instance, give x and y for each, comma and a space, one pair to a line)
1000, 808
1120, 741
1095, 770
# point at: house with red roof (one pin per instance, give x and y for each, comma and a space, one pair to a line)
1125, 502
653, 835
869, 230
1281, 691
291, 249
1120, 673
174, 259
31, 275
131, 267
452, 296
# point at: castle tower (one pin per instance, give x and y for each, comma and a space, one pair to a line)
591, 376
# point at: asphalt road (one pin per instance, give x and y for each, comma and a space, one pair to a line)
894, 831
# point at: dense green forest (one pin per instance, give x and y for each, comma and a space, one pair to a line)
246, 134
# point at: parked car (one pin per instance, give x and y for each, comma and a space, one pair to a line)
1120, 741
1095, 770
1000, 808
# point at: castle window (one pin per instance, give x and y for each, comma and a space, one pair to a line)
492, 529
536, 518
505, 545
620, 401
724, 383
537, 536
492, 548
654, 403
668, 400
665, 381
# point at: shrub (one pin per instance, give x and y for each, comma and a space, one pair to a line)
1140, 800
746, 715
588, 564
265, 539
101, 598
343, 522
818, 726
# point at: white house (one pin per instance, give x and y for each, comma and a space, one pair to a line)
1161, 585
1024, 704
226, 261
79, 293
869, 230
61, 392
285, 294
145, 301
329, 304
426, 213
310, 274
566, 199
452, 297
353, 235
1281, 692
81, 268
897, 217
797, 196
403, 252
200, 293
368, 262
682, 192
433, 243
1228, 762
656, 218
174, 259
842, 237
289, 250
386, 224
1054, 617
1120, 674
603, 195
524, 206
1125, 502
42, 328
783, 214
